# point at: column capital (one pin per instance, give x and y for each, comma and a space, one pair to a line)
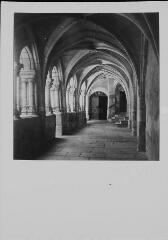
27, 74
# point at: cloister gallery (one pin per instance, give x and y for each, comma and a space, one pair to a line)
86, 72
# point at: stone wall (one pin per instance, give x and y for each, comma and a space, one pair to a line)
73, 121
31, 135
152, 106
50, 127
81, 119
28, 137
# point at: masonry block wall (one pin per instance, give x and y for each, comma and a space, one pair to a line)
28, 137
74, 121
50, 126
152, 106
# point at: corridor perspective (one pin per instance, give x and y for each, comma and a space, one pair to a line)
86, 86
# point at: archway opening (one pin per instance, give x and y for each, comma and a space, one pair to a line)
123, 102
98, 106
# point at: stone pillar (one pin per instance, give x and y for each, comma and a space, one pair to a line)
84, 100
141, 121
87, 107
111, 99
23, 97
111, 106
74, 99
129, 124
31, 103
134, 122
71, 99
56, 107
55, 96
142, 127
58, 130
68, 100
57, 101
80, 101
77, 102
141, 133
28, 93
16, 90
48, 96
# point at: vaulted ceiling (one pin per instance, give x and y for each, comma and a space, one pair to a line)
89, 44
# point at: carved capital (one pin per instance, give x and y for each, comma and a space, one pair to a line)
27, 74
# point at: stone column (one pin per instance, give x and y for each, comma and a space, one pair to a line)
111, 106
28, 93
16, 90
74, 99
82, 96
111, 99
68, 100
84, 100
87, 107
77, 102
134, 122
141, 133
71, 104
31, 103
57, 101
48, 96
23, 97
56, 107
141, 118
142, 126
55, 96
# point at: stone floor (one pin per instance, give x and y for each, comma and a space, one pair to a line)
99, 140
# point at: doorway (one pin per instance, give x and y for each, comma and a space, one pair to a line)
102, 107
123, 102
98, 106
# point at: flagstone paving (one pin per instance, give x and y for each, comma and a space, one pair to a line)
99, 140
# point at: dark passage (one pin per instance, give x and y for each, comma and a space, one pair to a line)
123, 102
102, 107
98, 106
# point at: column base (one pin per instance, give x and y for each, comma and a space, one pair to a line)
49, 114
16, 117
24, 115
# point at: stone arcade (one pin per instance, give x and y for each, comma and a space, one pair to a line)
72, 69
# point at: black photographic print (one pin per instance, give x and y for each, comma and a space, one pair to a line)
86, 86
